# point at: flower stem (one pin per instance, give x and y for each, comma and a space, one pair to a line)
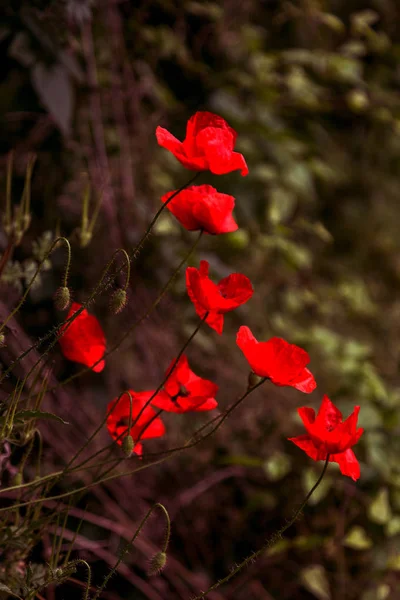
270, 540
129, 544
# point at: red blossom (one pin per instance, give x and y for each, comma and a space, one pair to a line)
185, 391
279, 361
327, 433
208, 145
202, 207
147, 426
83, 340
216, 299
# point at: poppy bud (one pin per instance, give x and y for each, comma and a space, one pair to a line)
127, 445
157, 563
62, 298
253, 380
17, 480
118, 301
2, 339
86, 238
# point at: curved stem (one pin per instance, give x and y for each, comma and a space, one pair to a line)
269, 542
158, 213
129, 544
32, 281
128, 332
167, 376
193, 441
97, 290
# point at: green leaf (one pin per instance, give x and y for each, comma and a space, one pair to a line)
393, 527
308, 479
4, 588
277, 466
278, 547
24, 415
54, 88
394, 562
315, 581
381, 592
379, 510
357, 539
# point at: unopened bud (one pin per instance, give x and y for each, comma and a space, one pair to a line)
157, 563
17, 480
118, 301
253, 380
127, 445
62, 298
86, 238
2, 339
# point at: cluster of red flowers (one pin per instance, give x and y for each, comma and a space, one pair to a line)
209, 145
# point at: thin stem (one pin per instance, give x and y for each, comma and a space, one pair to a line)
189, 444
158, 213
168, 375
138, 322
7, 254
32, 281
7, 217
97, 290
270, 540
129, 544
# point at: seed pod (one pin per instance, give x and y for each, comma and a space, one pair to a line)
253, 380
118, 301
127, 445
62, 298
157, 563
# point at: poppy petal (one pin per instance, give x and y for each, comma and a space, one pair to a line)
348, 464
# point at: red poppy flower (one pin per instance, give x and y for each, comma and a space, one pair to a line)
83, 341
216, 299
202, 207
208, 144
148, 425
279, 361
184, 391
327, 433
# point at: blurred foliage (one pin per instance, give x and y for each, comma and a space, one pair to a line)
312, 87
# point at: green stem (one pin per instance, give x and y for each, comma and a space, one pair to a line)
158, 213
32, 281
129, 544
269, 542
138, 322
164, 381
193, 441
97, 290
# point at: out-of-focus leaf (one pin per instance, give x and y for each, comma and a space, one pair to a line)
5, 589
277, 466
281, 205
25, 415
394, 562
243, 460
393, 526
309, 477
379, 510
357, 539
278, 547
381, 592
21, 50
54, 88
315, 581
